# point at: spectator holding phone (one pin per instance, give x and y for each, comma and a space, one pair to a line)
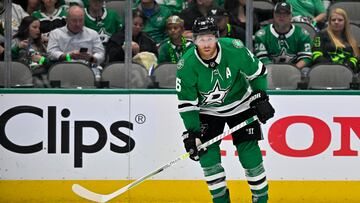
65, 43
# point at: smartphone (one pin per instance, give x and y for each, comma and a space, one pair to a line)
83, 49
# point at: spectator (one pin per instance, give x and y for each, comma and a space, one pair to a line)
32, 5
75, 42
283, 42
82, 3
237, 14
51, 16
141, 42
105, 21
175, 6
172, 49
225, 29
311, 11
219, 3
28, 47
336, 44
17, 13
155, 19
200, 8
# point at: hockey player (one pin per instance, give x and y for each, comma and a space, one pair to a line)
217, 81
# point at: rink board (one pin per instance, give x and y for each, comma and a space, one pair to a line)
311, 142
176, 191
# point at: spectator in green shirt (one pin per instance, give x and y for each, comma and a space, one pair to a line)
155, 19
172, 49
310, 11
104, 21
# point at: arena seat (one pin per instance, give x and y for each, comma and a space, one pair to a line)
115, 75
330, 76
20, 75
352, 9
165, 75
283, 76
71, 75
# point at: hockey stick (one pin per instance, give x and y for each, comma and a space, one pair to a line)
87, 194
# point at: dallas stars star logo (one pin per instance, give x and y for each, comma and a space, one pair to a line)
216, 95
284, 57
103, 35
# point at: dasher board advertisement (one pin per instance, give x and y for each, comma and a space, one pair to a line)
124, 136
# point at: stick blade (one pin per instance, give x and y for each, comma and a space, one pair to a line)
87, 194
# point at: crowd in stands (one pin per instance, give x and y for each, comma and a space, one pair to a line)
50, 31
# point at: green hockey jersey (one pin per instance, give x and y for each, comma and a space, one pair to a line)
169, 52
222, 90
109, 23
272, 47
51, 22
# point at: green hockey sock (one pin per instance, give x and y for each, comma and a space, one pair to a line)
215, 174
251, 159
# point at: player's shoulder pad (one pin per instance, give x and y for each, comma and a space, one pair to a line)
231, 42
180, 64
188, 56
237, 43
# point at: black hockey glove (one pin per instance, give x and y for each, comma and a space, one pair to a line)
192, 141
259, 102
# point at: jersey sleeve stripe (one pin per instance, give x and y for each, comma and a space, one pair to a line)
183, 109
195, 102
261, 54
187, 105
304, 53
304, 56
260, 71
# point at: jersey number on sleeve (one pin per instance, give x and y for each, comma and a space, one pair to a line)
178, 85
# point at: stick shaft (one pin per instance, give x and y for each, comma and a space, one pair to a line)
142, 179
228, 132
83, 192
168, 165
